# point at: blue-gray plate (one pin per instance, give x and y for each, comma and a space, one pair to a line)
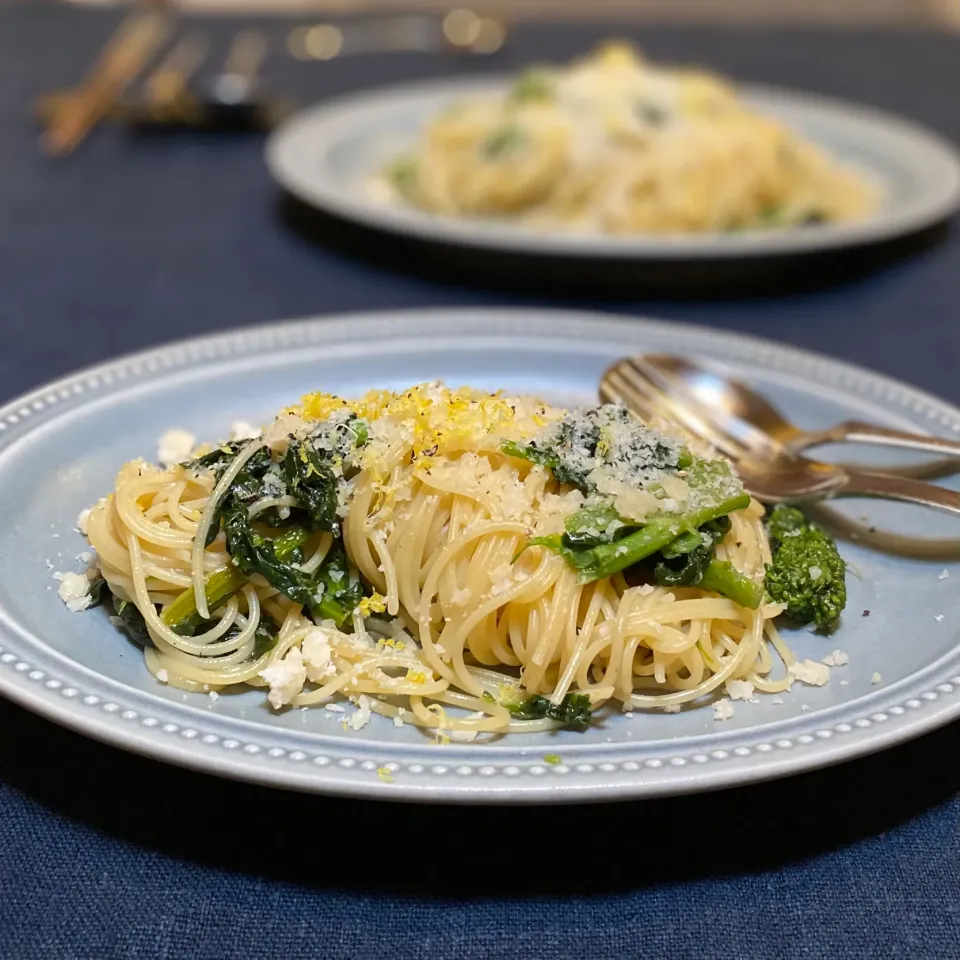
60, 448
328, 155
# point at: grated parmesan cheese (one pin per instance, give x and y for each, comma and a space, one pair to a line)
836, 659
74, 590
739, 689
175, 446
82, 519
810, 672
241, 430
286, 678
362, 715
722, 709
464, 736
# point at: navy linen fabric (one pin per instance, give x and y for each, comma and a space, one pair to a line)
133, 241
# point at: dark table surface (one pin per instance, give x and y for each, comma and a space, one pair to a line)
134, 241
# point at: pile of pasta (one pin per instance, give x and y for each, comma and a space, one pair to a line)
430, 595
616, 145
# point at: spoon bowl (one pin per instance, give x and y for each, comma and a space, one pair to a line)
770, 471
745, 412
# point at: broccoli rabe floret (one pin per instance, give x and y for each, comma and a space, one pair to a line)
605, 438
717, 494
609, 443
785, 521
807, 574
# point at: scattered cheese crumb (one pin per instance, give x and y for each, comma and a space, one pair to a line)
722, 709
815, 572
672, 708
82, 519
241, 430
317, 655
464, 736
175, 446
362, 717
286, 678
944, 574
938, 617
804, 707
398, 721
163, 676
213, 695
875, 679
777, 700
84, 556
334, 708
811, 672
74, 590
844, 683
460, 597
837, 659
739, 689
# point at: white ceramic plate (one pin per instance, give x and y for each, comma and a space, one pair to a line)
328, 154
61, 446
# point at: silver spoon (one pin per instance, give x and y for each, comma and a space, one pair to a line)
737, 402
769, 471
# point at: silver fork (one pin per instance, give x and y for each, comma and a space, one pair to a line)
769, 471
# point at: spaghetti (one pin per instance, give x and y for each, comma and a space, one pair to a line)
460, 561
615, 145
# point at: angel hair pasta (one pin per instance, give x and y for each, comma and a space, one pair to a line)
616, 145
452, 559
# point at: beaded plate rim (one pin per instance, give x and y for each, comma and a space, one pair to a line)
62, 690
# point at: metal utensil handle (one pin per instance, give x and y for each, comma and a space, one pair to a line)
855, 431
247, 54
865, 483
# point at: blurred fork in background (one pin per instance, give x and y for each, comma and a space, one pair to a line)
139, 37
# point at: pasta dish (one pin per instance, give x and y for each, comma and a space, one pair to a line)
616, 145
461, 561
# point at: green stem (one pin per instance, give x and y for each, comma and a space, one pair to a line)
181, 615
609, 558
724, 578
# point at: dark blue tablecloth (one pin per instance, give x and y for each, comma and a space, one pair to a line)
105, 855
